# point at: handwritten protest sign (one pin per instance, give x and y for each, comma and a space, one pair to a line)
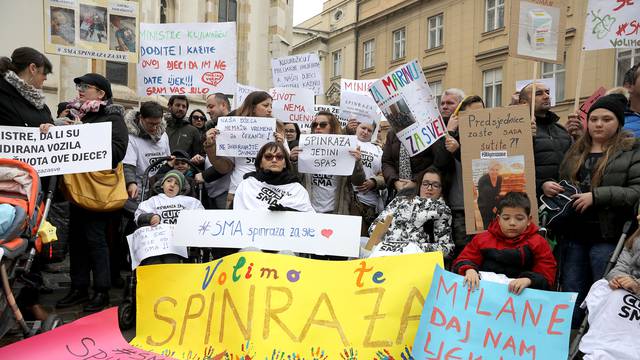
361, 107
151, 241
298, 71
335, 110
612, 24
293, 105
104, 30
63, 150
241, 93
408, 103
357, 86
497, 157
187, 59
491, 322
326, 154
96, 336
537, 30
264, 306
584, 108
243, 136
322, 234
550, 83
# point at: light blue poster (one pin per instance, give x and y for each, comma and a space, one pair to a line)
492, 323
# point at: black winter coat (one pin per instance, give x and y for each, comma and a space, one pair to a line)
616, 197
550, 145
15, 110
119, 134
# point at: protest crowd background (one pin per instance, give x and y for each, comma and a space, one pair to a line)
510, 179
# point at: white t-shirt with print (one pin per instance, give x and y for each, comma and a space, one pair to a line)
371, 158
140, 153
167, 207
323, 192
254, 194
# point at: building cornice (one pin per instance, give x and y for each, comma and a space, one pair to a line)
504, 50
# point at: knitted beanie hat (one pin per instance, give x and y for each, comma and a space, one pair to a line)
616, 103
177, 175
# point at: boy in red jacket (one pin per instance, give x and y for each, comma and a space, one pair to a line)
511, 246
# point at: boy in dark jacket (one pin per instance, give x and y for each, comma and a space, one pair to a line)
511, 247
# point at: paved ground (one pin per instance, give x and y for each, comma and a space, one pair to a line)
56, 277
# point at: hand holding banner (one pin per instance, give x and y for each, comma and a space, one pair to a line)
150, 241
326, 154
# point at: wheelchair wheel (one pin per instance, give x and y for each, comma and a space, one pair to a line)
126, 315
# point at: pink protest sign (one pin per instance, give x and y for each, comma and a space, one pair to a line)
96, 336
584, 108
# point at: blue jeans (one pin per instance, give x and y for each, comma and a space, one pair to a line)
583, 264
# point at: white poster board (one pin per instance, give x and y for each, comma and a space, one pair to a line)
241, 93
326, 154
298, 71
357, 106
322, 234
187, 59
407, 102
537, 30
356, 86
150, 241
612, 25
549, 82
63, 150
243, 136
293, 105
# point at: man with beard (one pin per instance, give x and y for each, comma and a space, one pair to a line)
182, 135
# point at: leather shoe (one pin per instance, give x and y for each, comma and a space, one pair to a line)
99, 301
74, 297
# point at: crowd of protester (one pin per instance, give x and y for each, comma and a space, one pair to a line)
421, 193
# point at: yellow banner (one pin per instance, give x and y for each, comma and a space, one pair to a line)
278, 307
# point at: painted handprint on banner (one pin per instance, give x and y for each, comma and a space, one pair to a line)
349, 354
601, 24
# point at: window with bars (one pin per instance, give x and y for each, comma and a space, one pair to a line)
398, 44
368, 51
337, 63
494, 15
436, 31
625, 59
492, 87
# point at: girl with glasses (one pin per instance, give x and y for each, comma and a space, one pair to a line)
420, 219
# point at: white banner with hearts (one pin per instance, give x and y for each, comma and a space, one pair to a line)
321, 234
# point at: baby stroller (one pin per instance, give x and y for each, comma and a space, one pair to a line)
20, 187
127, 309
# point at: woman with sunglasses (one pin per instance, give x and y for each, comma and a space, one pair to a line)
197, 118
273, 185
330, 193
89, 229
419, 217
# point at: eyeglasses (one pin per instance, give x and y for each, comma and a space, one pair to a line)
198, 117
269, 157
84, 87
434, 185
290, 131
321, 125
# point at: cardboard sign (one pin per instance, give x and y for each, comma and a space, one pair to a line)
491, 322
96, 336
187, 59
150, 241
612, 25
549, 82
63, 150
268, 306
326, 154
584, 108
293, 105
537, 30
298, 71
322, 234
407, 102
103, 30
497, 157
243, 136
241, 93
358, 106
357, 86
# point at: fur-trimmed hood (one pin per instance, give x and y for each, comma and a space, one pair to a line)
132, 120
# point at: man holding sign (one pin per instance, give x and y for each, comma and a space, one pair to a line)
329, 171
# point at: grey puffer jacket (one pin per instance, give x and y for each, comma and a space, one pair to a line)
616, 197
628, 263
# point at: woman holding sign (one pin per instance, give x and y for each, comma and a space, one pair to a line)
605, 164
272, 186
